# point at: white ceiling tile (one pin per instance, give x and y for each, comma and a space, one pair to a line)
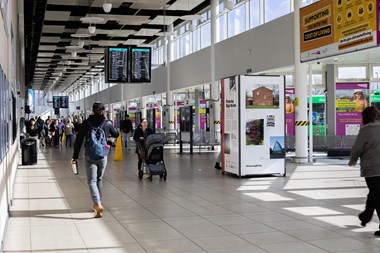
149, 6
184, 5
116, 33
63, 2
50, 39
47, 48
115, 3
45, 54
161, 20
53, 29
134, 42
147, 32
57, 15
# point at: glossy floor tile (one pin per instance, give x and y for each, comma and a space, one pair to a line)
198, 209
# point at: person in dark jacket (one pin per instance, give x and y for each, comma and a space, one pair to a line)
127, 129
95, 168
141, 132
367, 147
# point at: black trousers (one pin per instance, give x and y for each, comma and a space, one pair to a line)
373, 199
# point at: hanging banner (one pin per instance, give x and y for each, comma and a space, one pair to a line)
351, 99
289, 110
329, 28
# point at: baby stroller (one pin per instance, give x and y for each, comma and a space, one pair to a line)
152, 154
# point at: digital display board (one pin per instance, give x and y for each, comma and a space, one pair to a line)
56, 102
140, 64
60, 102
117, 65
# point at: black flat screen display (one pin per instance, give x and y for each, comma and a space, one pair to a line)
60, 102
140, 64
117, 65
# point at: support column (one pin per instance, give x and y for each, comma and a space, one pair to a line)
169, 93
214, 89
300, 78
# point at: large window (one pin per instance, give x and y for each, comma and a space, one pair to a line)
276, 8
353, 73
220, 28
184, 45
196, 43
254, 13
236, 21
205, 35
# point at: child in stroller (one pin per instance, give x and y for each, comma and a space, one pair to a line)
152, 155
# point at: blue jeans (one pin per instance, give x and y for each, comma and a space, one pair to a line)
95, 171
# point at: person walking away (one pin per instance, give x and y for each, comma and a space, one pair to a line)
127, 129
68, 129
54, 131
141, 132
95, 130
367, 148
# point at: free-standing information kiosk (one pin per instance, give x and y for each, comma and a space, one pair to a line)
253, 128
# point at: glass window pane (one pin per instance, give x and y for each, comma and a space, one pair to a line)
276, 8
205, 35
220, 34
196, 44
184, 45
308, 2
254, 12
236, 21
376, 72
352, 72
289, 81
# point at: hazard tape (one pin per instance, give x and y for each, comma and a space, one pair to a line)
171, 122
302, 123
217, 122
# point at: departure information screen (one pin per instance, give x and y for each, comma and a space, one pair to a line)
117, 66
140, 64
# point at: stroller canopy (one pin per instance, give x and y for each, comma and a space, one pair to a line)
154, 139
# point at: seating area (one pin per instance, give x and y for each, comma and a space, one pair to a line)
334, 145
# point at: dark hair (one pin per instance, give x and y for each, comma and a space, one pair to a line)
370, 114
127, 115
98, 107
142, 119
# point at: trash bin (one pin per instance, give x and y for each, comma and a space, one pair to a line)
29, 151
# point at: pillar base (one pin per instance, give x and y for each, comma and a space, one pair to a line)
301, 160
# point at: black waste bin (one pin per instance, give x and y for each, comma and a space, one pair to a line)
29, 151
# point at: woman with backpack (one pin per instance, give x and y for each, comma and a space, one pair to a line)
95, 130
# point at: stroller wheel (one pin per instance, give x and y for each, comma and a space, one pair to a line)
141, 173
161, 175
165, 174
150, 178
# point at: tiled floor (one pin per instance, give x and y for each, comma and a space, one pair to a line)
313, 209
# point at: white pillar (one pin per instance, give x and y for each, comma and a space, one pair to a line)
214, 89
169, 93
310, 92
300, 78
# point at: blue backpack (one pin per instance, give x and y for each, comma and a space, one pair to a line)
96, 146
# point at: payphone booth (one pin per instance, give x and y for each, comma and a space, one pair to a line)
151, 118
186, 127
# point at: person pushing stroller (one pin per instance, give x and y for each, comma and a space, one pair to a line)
139, 136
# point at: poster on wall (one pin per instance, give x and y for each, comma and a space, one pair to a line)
254, 112
230, 118
351, 99
290, 128
330, 27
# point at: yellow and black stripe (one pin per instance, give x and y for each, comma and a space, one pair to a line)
171, 121
302, 123
217, 122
